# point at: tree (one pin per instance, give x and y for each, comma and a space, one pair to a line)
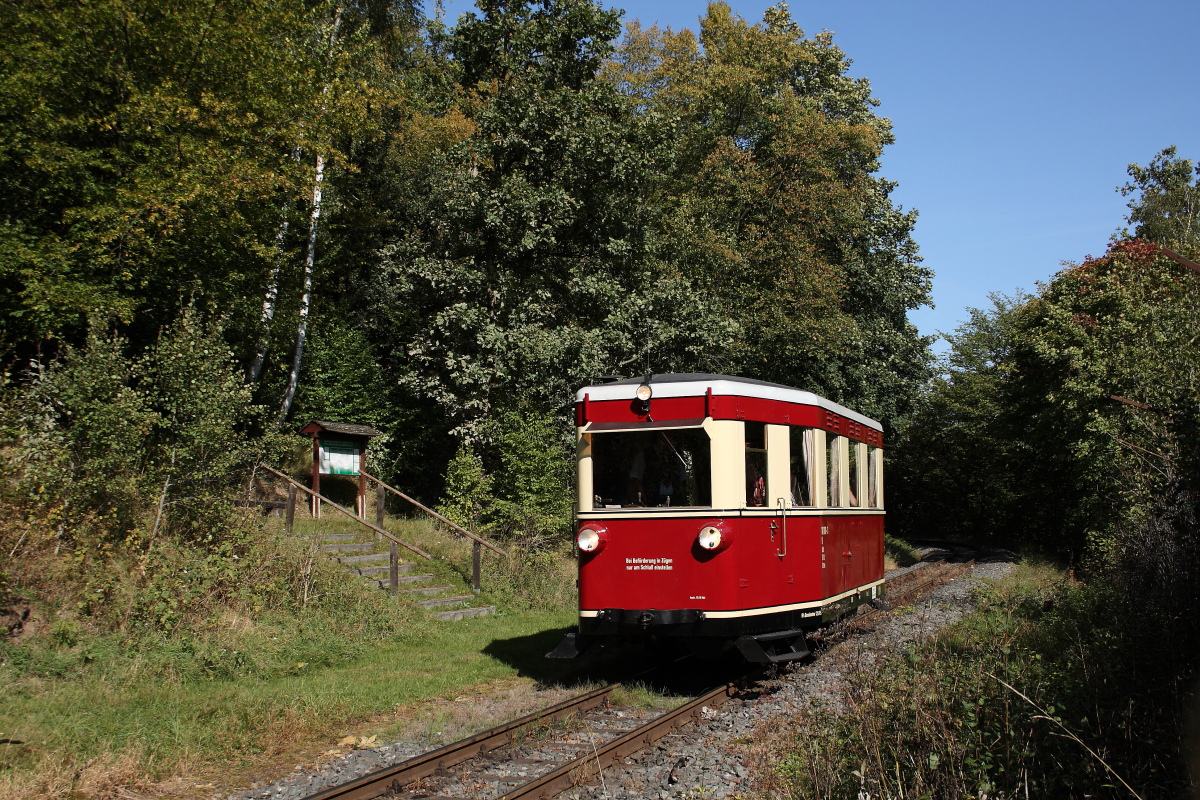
960, 465
1166, 206
105, 437
772, 207
1105, 355
1064, 419
144, 150
522, 271
157, 156
363, 44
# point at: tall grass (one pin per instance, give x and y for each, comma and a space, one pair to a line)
295, 655
1051, 689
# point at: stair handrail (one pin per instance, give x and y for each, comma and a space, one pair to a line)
435, 514
348, 512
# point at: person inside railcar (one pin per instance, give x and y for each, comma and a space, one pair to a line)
651, 468
853, 461
756, 464
802, 459
658, 472
833, 467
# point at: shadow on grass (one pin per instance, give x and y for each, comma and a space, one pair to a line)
600, 664
527, 655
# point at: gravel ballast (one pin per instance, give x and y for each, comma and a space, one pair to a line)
709, 760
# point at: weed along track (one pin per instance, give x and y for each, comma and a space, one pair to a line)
574, 744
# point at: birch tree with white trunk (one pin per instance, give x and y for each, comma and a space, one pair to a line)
310, 254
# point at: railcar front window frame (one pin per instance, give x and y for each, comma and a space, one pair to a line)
660, 466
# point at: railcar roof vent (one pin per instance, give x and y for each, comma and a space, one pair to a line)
609, 379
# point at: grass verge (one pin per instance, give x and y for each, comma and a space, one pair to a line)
244, 687
1049, 689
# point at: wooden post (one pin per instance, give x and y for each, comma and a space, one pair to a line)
316, 478
393, 550
393, 569
362, 482
290, 519
476, 557
380, 497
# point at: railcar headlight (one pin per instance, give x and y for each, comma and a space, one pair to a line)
589, 541
710, 537
644, 393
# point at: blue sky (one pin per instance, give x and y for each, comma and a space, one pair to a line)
1014, 121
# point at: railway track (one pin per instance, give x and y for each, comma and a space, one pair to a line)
901, 591
573, 742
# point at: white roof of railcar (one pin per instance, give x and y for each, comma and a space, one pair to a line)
690, 384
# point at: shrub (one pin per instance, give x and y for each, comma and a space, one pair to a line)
128, 447
128, 466
1007, 703
516, 484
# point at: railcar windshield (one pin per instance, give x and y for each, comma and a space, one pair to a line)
652, 468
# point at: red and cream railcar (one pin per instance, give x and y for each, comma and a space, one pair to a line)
723, 511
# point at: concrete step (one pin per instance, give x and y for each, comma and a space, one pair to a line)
464, 613
429, 591
369, 558
376, 569
363, 547
331, 537
445, 601
401, 580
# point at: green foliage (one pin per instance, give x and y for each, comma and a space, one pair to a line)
1060, 419
1069, 421
147, 149
1115, 327
769, 203
117, 450
899, 551
533, 217
520, 488
500, 224
533, 480
141, 153
342, 380
468, 495
1166, 207
939, 721
83, 428
961, 466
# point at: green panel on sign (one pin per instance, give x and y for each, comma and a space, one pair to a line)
339, 457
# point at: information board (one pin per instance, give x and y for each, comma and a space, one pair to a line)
339, 457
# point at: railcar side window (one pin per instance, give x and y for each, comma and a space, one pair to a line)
873, 456
853, 464
832, 469
756, 464
652, 468
802, 460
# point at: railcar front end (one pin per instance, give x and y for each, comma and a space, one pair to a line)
724, 512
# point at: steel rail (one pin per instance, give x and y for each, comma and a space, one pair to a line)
586, 765
944, 574
395, 776
580, 769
